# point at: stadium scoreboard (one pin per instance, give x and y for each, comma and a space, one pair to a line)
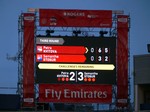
76, 60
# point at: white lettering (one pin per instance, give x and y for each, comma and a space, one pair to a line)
49, 51
54, 41
90, 94
84, 94
66, 93
56, 94
53, 93
43, 40
105, 94
47, 91
79, 14
75, 94
99, 94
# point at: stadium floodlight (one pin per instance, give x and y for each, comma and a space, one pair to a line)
102, 33
76, 32
48, 32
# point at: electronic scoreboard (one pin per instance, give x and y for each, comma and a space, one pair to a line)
76, 60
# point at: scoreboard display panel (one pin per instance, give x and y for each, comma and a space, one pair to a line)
76, 60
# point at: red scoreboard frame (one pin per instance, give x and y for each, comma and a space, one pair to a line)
46, 60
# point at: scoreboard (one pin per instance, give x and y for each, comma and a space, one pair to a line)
76, 60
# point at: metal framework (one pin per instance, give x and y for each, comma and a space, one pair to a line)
61, 31
20, 56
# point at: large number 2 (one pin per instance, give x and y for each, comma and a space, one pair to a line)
72, 78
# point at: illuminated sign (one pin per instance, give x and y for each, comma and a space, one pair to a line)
75, 18
76, 60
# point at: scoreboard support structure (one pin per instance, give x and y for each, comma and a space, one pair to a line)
60, 32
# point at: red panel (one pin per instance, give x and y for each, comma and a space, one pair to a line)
60, 58
75, 93
75, 18
122, 63
61, 49
28, 61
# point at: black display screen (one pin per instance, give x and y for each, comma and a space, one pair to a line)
76, 60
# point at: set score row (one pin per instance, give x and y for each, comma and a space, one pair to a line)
105, 50
100, 58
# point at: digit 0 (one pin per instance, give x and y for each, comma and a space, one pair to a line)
92, 50
92, 58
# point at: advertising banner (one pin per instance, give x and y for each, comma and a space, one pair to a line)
122, 61
75, 93
75, 18
28, 60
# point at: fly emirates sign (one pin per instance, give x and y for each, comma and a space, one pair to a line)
79, 93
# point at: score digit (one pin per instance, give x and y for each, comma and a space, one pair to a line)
92, 58
106, 58
99, 58
99, 50
92, 50
106, 50
81, 77
72, 78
